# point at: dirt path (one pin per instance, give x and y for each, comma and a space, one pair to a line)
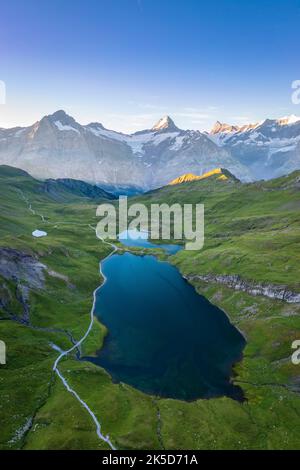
77, 345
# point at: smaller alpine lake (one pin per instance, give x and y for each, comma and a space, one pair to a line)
164, 338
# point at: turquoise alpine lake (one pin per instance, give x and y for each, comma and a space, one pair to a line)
163, 337
139, 239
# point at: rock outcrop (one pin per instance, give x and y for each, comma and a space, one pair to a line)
279, 292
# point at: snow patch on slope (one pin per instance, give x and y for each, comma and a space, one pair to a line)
135, 141
64, 127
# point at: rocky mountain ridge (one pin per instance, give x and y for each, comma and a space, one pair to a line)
59, 147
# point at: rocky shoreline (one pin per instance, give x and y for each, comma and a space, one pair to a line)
279, 292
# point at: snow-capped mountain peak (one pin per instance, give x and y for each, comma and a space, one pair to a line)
269, 148
286, 120
62, 117
223, 127
95, 125
58, 146
165, 123
60, 120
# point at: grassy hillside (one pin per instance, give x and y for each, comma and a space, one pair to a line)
251, 230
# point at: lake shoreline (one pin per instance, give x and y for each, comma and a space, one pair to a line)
103, 354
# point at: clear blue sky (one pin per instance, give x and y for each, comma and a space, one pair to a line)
126, 63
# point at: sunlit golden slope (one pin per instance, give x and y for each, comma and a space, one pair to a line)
191, 177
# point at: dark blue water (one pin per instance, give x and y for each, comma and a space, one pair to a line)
133, 238
163, 338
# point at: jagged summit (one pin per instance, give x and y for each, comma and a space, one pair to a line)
284, 121
58, 115
165, 123
57, 146
62, 117
95, 125
223, 127
221, 173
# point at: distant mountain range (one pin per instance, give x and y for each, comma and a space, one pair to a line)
268, 149
59, 147
59, 190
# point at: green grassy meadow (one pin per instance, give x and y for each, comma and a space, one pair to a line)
252, 230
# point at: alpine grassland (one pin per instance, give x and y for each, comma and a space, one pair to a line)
252, 232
